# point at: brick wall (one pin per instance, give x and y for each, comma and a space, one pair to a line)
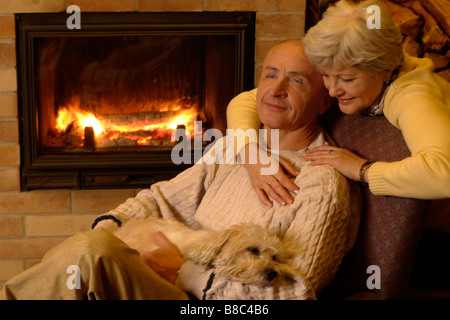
32, 222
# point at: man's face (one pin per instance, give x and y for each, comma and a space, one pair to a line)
290, 91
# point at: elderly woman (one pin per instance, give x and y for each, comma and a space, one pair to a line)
365, 68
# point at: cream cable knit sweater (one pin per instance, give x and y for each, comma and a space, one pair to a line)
323, 219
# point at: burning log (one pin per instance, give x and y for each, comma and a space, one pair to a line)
150, 128
128, 119
73, 140
70, 137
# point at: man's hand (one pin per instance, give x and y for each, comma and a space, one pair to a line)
166, 260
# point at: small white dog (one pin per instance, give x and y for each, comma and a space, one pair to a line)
246, 253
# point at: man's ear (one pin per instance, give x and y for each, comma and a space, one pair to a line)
327, 101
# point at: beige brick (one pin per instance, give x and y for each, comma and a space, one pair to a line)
11, 227
8, 54
261, 49
169, 5
25, 6
60, 225
8, 103
102, 5
27, 248
10, 179
8, 80
9, 269
286, 25
258, 70
9, 155
9, 131
240, 5
99, 201
35, 202
291, 5
7, 27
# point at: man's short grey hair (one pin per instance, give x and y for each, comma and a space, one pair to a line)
343, 37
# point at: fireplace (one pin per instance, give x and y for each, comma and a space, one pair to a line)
103, 106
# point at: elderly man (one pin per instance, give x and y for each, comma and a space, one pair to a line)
322, 220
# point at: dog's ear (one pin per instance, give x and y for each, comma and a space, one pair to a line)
209, 248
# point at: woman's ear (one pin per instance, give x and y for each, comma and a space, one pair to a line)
388, 75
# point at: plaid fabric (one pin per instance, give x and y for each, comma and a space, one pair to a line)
390, 226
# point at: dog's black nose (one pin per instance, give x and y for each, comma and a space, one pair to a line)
271, 274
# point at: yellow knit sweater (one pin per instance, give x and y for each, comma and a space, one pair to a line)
417, 103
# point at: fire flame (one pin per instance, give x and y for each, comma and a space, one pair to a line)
85, 119
69, 116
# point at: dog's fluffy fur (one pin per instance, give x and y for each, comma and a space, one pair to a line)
246, 253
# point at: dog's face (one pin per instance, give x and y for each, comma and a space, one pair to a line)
247, 254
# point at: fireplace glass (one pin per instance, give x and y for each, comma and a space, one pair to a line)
131, 91
100, 106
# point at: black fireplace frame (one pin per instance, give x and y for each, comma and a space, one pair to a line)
113, 170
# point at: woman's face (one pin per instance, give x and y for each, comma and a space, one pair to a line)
354, 89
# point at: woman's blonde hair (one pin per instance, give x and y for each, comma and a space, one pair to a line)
343, 37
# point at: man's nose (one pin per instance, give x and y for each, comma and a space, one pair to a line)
279, 87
